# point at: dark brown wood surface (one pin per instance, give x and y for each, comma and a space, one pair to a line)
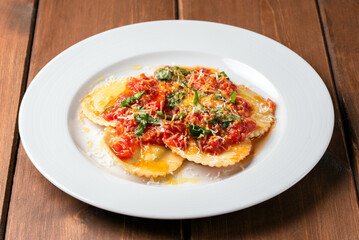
323, 205
15, 35
341, 28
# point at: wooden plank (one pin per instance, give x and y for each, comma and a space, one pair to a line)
15, 33
341, 22
38, 210
312, 208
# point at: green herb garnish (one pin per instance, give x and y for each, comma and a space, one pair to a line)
169, 73
230, 118
107, 109
183, 71
184, 82
141, 107
144, 119
223, 74
168, 117
129, 100
161, 114
164, 74
197, 131
175, 98
195, 98
233, 97
215, 118
181, 115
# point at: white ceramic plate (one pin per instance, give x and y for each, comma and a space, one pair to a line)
49, 123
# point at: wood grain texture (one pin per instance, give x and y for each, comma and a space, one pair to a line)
15, 31
341, 27
38, 210
313, 207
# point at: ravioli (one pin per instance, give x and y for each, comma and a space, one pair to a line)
229, 157
95, 103
149, 161
262, 111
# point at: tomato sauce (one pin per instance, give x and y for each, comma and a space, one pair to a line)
175, 132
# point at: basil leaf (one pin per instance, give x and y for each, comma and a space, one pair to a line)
223, 74
215, 118
140, 129
182, 70
161, 114
141, 117
195, 98
225, 125
144, 119
164, 74
154, 121
107, 109
233, 97
230, 118
141, 107
181, 115
168, 117
128, 101
197, 131
184, 82
168, 73
175, 98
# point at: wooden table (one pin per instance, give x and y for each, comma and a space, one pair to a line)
323, 205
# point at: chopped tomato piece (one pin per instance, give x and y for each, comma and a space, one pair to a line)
175, 135
271, 105
203, 82
153, 136
115, 113
138, 85
125, 147
126, 125
157, 103
213, 145
238, 131
226, 86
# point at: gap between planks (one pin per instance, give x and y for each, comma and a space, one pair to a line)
344, 126
16, 140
